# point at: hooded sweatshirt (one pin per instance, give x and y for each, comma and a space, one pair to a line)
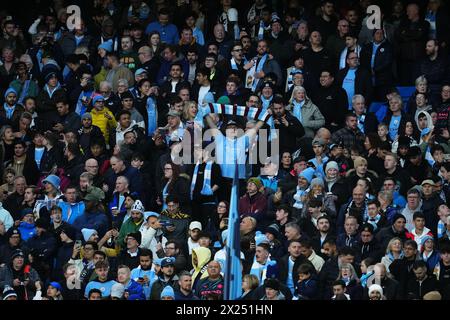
408, 214
203, 257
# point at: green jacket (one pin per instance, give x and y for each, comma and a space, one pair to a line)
128, 227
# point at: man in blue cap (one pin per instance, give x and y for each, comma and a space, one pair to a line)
166, 277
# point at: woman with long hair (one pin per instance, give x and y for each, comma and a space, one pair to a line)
394, 251
175, 185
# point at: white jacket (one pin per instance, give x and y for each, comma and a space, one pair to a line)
148, 239
6, 218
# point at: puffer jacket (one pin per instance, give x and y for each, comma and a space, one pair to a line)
312, 118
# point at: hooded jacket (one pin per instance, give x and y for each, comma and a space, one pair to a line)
6, 217
203, 256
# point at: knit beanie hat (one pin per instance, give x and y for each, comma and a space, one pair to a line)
168, 292
375, 287
308, 174
318, 182
107, 46
87, 233
260, 238
256, 181
331, 165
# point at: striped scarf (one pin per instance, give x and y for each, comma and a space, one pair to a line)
374, 221
235, 110
260, 270
298, 197
206, 189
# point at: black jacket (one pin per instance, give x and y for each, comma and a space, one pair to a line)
382, 68
332, 103
288, 135
402, 271
283, 265
363, 82
416, 290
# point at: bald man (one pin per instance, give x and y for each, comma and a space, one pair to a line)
356, 206
149, 62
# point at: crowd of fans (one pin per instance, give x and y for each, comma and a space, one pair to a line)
354, 206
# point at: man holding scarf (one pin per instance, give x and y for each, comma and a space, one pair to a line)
262, 64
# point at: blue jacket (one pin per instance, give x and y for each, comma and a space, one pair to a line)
308, 289
27, 230
135, 291
123, 211
92, 220
169, 33
181, 296
77, 209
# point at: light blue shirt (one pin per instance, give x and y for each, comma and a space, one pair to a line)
137, 273
349, 86
228, 151
104, 287
290, 279
71, 211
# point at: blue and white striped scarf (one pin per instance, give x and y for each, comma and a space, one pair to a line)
206, 189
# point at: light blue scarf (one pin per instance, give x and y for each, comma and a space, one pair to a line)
206, 189
297, 110
152, 114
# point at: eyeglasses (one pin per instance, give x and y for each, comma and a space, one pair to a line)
237, 50
169, 248
165, 169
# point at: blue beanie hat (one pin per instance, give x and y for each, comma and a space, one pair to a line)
260, 238
107, 46
53, 180
97, 98
308, 174
425, 238
272, 269
87, 233
56, 285
10, 90
168, 292
224, 235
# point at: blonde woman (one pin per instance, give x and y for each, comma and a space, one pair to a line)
394, 251
353, 286
249, 283
191, 115
305, 111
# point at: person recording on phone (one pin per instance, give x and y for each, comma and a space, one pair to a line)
290, 128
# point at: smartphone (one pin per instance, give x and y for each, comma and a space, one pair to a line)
225, 221
78, 243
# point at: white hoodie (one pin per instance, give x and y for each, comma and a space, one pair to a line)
6, 217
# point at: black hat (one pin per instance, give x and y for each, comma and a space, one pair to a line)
231, 123
268, 84
404, 141
398, 216
12, 232
414, 152
126, 95
17, 253
136, 236
272, 283
25, 211
70, 232
42, 223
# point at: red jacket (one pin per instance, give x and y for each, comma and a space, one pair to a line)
255, 206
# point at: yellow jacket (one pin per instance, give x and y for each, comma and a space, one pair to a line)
100, 120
